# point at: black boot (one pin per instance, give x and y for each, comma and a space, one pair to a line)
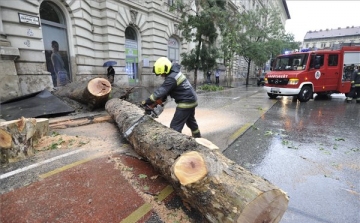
197, 135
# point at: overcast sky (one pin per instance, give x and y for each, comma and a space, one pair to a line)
313, 15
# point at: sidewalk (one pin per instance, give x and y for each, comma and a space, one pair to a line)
108, 183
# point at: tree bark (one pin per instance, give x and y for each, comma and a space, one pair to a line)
93, 93
17, 137
202, 176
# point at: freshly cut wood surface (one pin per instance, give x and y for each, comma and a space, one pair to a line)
5, 139
21, 132
190, 168
222, 191
99, 87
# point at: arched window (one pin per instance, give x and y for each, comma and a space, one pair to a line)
130, 33
50, 12
173, 50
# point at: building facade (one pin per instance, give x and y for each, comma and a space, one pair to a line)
332, 38
240, 68
87, 33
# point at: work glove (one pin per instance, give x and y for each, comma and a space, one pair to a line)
146, 103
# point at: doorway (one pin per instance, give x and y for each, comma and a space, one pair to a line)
54, 32
131, 54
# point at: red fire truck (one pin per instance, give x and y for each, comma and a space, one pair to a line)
302, 74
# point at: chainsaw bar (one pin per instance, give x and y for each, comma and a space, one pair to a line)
154, 113
128, 132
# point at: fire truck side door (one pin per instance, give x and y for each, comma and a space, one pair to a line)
316, 72
333, 72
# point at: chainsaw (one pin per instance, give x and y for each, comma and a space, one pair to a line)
153, 110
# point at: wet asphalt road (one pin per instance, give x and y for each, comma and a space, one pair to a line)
311, 151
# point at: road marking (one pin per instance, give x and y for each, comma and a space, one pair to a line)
145, 208
9, 174
240, 131
58, 170
139, 213
165, 193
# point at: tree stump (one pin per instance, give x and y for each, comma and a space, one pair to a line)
17, 137
201, 175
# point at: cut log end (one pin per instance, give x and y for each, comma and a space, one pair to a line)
99, 87
189, 168
269, 207
5, 139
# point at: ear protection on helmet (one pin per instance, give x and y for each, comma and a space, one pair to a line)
162, 66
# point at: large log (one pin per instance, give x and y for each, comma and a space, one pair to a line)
202, 176
93, 93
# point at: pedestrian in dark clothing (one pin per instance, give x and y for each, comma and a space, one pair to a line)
217, 76
111, 74
355, 87
178, 87
208, 75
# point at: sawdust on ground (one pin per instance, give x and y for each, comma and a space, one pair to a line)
60, 142
78, 138
166, 215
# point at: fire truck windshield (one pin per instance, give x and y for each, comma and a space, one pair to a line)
291, 62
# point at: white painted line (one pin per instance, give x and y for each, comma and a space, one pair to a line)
9, 174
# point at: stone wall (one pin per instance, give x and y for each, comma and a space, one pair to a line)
96, 33
26, 41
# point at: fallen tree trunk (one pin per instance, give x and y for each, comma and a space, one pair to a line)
202, 176
93, 93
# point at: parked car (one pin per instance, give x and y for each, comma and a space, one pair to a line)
261, 80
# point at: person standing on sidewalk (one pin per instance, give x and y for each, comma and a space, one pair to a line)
111, 74
355, 87
208, 76
178, 87
217, 76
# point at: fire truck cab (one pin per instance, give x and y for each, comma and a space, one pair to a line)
302, 74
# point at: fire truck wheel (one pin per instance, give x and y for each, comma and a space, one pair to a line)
305, 94
272, 96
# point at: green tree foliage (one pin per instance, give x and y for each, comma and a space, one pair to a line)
257, 35
199, 24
